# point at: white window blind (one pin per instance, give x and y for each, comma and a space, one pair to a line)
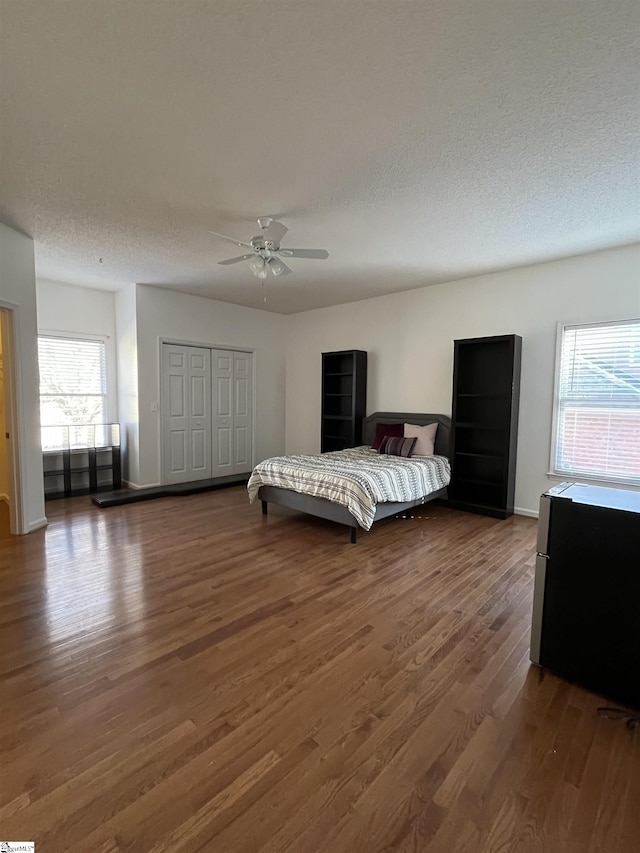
597, 429
73, 384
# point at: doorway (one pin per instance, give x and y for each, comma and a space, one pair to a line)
207, 412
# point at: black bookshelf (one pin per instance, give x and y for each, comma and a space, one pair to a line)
81, 459
486, 391
344, 398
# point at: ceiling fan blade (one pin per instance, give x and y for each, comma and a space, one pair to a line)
236, 260
275, 231
317, 254
231, 239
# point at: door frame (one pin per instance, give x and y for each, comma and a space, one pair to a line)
161, 402
11, 373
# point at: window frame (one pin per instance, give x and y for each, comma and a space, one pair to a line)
110, 395
567, 476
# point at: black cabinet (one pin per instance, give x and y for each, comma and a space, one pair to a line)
80, 459
486, 391
344, 398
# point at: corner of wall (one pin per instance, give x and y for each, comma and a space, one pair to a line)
127, 372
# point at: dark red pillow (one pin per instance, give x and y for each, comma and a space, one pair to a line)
393, 430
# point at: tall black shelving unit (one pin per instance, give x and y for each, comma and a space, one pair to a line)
486, 392
344, 398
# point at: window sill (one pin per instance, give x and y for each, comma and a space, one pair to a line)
593, 481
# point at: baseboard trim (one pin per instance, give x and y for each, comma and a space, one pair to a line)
530, 513
129, 485
126, 496
36, 525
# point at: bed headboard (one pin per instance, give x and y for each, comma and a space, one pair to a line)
443, 435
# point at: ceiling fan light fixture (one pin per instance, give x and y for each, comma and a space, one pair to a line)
277, 267
259, 267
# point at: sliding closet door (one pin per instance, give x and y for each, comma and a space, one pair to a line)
207, 413
222, 418
232, 394
186, 413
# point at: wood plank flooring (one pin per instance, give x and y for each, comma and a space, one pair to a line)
187, 674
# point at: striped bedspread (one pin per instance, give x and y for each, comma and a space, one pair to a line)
358, 478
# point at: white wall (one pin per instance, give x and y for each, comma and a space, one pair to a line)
66, 308
409, 338
18, 293
192, 319
4, 470
127, 361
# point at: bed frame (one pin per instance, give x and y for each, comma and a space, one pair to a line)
323, 508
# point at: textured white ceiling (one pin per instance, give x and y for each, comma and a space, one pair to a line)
417, 141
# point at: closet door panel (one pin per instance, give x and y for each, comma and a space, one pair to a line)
242, 412
223, 384
224, 449
177, 396
199, 398
199, 454
242, 449
177, 452
222, 416
186, 413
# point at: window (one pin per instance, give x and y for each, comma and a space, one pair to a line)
597, 406
73, 385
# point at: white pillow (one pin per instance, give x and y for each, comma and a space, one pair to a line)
426, 436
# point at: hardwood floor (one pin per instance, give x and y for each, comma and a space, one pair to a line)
187, 674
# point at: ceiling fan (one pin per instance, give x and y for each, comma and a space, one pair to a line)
266, 254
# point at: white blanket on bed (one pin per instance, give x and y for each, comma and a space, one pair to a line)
357, 479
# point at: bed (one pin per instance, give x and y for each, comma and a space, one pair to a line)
434, 480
